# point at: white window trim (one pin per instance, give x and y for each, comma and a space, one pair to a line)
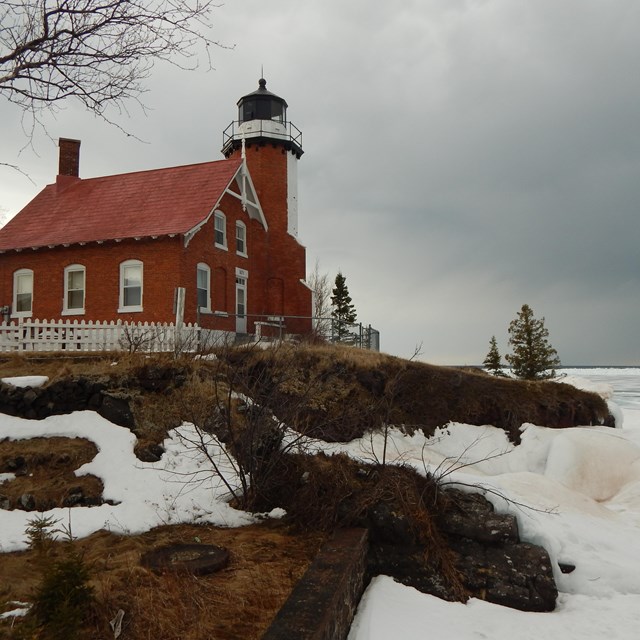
243, 226
16, 275
65, 301
218, 215
132, 308
204, 267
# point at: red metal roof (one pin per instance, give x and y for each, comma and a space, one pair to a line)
130, 205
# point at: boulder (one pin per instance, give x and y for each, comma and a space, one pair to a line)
116, 408
489, 559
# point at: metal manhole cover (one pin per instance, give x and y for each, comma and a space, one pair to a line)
198, 559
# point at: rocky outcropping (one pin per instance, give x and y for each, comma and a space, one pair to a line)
487, 556
112, 397
67, 396
494, 563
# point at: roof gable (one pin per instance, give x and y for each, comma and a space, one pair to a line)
132, 205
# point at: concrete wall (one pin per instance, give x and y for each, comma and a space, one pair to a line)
323, 603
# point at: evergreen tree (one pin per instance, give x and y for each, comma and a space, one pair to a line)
533, 357
342, 312
493, 361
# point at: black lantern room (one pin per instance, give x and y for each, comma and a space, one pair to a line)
262, 119
262, 105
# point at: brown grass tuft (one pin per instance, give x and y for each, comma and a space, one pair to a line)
47, 470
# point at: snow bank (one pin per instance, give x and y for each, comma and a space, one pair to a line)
179, 488
26, 381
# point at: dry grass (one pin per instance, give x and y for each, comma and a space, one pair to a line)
237, 602
340, 393
322, 493
57, 366
47, 472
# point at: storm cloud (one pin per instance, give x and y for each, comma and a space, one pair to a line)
462, 157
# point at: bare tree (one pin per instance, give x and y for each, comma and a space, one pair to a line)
97, 51
321, 286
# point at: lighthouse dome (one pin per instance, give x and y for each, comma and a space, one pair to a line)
261, 104
262, 119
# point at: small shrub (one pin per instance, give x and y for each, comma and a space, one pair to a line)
63, 598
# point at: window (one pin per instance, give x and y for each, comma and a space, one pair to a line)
74, 289
203, 278
22, 293
130, 286
220, 230
241, 238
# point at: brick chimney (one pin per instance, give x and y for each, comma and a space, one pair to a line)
69, 159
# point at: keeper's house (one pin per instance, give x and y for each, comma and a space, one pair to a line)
120, 247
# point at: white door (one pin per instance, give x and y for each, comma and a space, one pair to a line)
241, 305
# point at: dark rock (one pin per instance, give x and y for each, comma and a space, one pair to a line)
74, 497
158, 378
514, 574
565, 567
29, 396
150, 453
491, 562
470, 515
27, 502
5, 503
15, 464
389, 525
116, 408
409, 566
95, 501
95, 401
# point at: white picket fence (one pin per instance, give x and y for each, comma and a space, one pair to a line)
74, 335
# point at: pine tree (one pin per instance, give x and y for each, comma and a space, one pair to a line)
493, 361
533, 357
343, 312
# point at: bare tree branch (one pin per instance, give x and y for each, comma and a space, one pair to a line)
321, 286
97, 52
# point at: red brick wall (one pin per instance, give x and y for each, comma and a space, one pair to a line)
102, 263
281, 256
273, 257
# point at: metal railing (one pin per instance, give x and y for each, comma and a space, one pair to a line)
233, 134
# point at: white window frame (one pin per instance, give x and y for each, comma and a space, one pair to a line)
124, 266
241, 236
204, 268
66, 309
219, 217
17, 275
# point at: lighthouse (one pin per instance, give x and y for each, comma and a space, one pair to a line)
271, 147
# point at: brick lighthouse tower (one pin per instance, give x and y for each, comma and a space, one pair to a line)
272, 147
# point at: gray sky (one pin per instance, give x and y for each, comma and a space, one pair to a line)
462, 157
